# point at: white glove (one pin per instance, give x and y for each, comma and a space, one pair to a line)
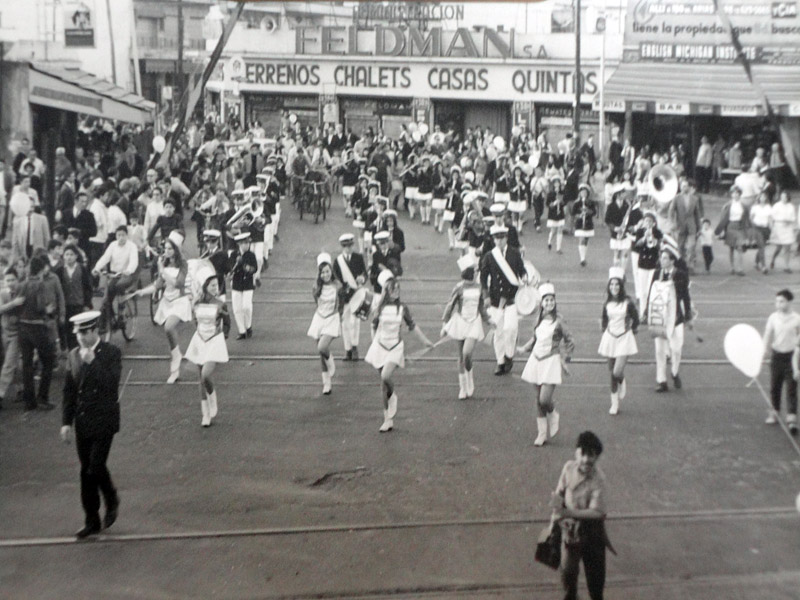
66, 433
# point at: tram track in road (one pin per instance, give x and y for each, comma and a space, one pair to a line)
770, 513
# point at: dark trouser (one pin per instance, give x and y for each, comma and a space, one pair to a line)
593, 555
708, 256
93, 454
703, 177
96, 250
36, 338
114, 287
781, 370
538, 209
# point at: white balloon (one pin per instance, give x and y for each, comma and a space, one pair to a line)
412, 127
744, 348
423, 128
516, 130
417, 136
499, 143
159, 143
292, 118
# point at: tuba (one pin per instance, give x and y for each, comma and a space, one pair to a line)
246, 214
663, 182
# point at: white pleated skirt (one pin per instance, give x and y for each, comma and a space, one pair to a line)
623, 244
504, 197
348, 190
546, 371
459, 328
615, 347
424, 197
411, 193
584, 233
378, 356
181, 307
202, 351
551, 223
331, 325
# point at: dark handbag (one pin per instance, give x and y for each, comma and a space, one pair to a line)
548, 548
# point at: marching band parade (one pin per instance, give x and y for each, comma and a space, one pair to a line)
194, 227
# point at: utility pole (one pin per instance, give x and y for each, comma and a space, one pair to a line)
576, 115
177, 94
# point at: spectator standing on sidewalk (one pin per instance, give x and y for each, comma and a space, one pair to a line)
781, 337
703, 165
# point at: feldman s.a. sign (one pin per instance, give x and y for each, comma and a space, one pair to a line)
694, 31
435, 42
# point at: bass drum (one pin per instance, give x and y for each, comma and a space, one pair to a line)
361, 303
526, 300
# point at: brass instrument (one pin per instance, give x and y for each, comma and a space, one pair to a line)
245, 215
663, 182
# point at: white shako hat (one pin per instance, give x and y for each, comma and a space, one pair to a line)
616, 273
467, 261
323, 258
242, 237
547, 289
85, 321
382, 236
383, 278
347, 238
176, 237
212, 233
498, 208
498, 230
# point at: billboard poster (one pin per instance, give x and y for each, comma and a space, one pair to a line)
692, 31
79, 24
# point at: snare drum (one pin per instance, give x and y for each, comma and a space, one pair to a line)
449, 216
439, 204
361, 303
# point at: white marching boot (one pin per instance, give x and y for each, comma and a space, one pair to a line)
387, 422
175, 365
541, 424
462, 386
470, 384
326, 383
331, 365
212, 404
206, 415
552, 422
615, 396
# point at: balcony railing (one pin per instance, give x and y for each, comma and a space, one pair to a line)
169, 43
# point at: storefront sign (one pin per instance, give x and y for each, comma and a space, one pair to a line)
77, 101
609, 105
693, 31
672, 108
499, 83
704, 109
743, 110
79, 24
402, 12
411, 41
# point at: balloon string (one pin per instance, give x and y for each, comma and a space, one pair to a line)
780, 420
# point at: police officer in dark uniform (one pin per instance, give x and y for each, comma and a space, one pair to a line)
91, 403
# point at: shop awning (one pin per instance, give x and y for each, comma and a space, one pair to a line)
67, 88
702, 89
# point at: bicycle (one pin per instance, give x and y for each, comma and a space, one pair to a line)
126, 313
312, 199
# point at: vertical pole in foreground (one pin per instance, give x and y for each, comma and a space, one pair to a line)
602, 125
576, 115
178, 91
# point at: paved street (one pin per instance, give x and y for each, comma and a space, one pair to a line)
291, 494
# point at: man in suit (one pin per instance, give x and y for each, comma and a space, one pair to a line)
349, 268
80, 218
91, 404
686, 216
253, 164
502, 271
671, 269
30, 232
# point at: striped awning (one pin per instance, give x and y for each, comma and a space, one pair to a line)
68, 88
703, 89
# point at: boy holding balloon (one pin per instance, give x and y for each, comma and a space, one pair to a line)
781, 337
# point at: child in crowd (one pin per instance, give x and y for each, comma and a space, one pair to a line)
706, 238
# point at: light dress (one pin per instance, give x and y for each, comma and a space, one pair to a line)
466, 323
545, 370
387, 345
208, 342
326, 320
174, 302
616, 341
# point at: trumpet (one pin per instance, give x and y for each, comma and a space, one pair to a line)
245, 215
